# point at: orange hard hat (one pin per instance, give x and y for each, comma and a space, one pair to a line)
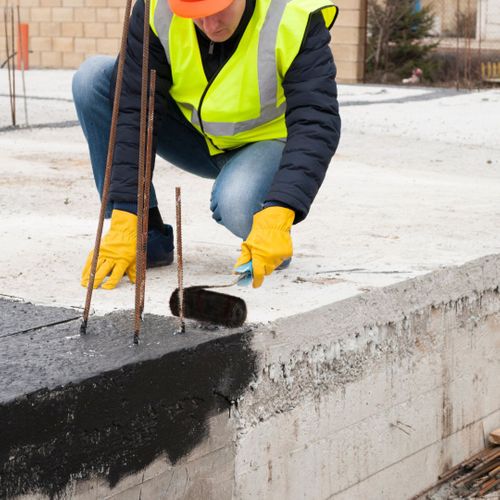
198, 8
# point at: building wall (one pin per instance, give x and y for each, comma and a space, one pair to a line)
446, 13
490, 19
348, 40
65, 32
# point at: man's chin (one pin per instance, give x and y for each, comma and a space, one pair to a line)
219, 37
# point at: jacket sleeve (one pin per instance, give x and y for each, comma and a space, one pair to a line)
312, 120
123, 189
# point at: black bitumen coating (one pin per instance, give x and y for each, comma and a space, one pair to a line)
18, 316
75, 407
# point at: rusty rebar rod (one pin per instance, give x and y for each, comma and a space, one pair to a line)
13, 44
143, 226
148, 170
109, 166
488, 486
6, 11
457, 15
478, 471
180, 264
140, 184
479, 36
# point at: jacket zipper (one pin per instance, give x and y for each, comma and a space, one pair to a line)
202, 99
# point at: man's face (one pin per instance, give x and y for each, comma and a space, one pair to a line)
221, 26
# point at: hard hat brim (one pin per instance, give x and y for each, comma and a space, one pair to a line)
198, 8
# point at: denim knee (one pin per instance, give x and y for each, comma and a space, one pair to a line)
243, 183
92, 80
234, 212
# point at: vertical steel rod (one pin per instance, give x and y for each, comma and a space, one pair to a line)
148, 174
180, 265
23, 64
142, 257
479, 35
458, 46
109, 166
7, 53
13, 44
141, 171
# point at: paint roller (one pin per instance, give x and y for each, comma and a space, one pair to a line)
202, 303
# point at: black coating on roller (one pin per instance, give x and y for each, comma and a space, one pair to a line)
139, 403
213, 307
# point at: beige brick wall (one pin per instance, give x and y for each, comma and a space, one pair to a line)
65, 32
348, 40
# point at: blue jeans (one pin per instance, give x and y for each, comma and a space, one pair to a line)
243, 176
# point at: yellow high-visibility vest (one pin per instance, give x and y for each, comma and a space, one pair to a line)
245, 101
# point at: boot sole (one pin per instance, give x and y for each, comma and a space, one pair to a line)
161, 263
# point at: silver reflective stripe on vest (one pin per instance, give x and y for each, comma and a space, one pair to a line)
228, 129
268, 80
163, 19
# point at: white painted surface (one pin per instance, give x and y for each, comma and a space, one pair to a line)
490, 19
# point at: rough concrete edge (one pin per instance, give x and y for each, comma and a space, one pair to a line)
303, 356
389, 304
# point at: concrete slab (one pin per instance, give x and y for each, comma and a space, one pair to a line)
372, 357
19, 317
55, 354
414, 187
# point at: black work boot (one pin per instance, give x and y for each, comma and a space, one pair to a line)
160, 247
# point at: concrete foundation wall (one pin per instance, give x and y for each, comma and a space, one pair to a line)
416, 410
379, 394
372, 397
63, 33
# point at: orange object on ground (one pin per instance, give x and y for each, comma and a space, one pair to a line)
23, 46
197, 8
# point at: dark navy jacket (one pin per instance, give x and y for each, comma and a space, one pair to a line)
312, 116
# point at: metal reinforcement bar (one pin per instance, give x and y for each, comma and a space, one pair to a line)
140, 188
109, 165
8, 16
180, 265
142, 222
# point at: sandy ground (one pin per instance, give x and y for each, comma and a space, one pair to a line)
415, 186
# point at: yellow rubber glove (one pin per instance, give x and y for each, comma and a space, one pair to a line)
117, 252
269, 242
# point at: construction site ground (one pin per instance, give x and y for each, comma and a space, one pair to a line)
371, 360
414, 187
